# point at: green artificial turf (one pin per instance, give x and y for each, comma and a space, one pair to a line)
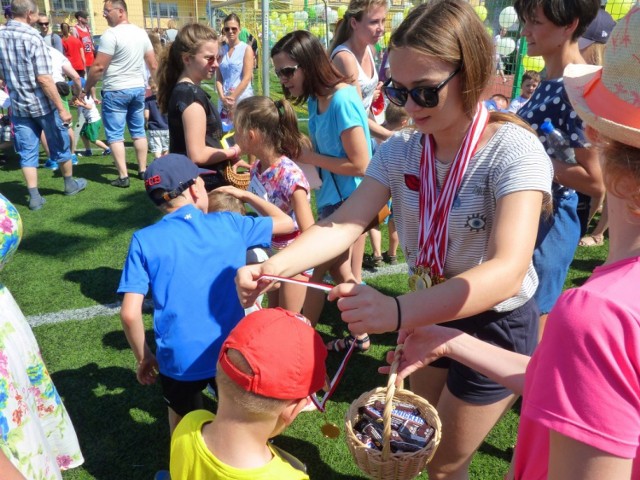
71, 256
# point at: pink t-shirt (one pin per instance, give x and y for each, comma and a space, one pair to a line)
584, 379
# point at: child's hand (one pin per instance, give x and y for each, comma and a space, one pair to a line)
231, 190
147, 371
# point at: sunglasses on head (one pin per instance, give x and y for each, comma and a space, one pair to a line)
422, 96
230, 29
287, 72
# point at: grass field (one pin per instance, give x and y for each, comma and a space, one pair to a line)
71, 256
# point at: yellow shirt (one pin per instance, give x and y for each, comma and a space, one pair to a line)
192, 460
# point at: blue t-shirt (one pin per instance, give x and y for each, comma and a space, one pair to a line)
157, 121
345, 111
190, 260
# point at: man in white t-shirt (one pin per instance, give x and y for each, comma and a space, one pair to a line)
120, 63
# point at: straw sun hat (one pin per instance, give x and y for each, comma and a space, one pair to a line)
608, 98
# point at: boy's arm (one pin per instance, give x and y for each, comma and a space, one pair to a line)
133, 326
282, 223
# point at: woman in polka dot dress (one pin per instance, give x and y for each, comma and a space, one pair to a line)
552, 29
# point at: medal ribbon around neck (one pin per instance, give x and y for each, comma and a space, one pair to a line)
434, 208
320, 404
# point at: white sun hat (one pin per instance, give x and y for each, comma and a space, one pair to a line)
608, 98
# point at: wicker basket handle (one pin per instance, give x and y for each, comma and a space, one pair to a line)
388, 407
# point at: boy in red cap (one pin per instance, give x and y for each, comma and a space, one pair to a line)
189, 259
269, 365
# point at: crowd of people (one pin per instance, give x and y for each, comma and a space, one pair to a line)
486, 209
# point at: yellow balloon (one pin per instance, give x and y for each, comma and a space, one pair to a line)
387, 37
619, 8
532, 63
342, 10
481, 10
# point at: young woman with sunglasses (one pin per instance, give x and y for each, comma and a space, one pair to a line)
341, 141
233, 78
467, 189
195, 129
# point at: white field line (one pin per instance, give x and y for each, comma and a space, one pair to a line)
114, 308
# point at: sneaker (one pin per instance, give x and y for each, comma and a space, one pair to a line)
106, 153
81, 184
390, 259
74, 159
121, 182
371, 262
86, 153
51, 165
37, 204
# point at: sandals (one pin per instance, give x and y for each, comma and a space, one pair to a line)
591, 241
342, 344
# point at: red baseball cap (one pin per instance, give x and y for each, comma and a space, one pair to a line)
284, 351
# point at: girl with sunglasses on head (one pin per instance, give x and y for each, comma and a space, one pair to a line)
552, 29
233, 78
341, 146
195, 129
468, 188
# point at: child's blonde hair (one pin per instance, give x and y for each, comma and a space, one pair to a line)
252, 405
275, 120
621, 168
223, 202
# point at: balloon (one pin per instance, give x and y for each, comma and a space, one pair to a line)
508, 17
342, 9
312, 13
619, 8
481, 10
490, 31
304, 16
274, 15
396, 20
505, 46
387, 37
532, 63
333, 15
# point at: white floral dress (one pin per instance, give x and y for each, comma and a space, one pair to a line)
36, 433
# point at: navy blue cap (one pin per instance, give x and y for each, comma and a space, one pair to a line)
173, 173
598, 30
7, 11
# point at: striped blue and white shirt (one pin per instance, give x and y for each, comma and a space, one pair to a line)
23, 57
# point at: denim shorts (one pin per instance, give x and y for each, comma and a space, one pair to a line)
27, 138
558, 238
120, 107
158, 141
516, 331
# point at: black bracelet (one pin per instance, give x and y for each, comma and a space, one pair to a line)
399, 324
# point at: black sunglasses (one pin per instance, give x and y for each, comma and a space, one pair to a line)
287, 72
230, 29
423, 96
43, 24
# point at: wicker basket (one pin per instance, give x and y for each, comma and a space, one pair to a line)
238, 180
384, 464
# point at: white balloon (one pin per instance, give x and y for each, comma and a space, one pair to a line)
333, 16
508, 17
505, 46
304, 15
396, 20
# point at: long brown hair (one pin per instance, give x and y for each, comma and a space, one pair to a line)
275, 120
356, 9
320, 76
451, 31
188, 40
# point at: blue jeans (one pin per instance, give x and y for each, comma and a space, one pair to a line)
556, 244
27, 132
120, 107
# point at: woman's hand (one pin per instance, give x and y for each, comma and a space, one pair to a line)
248, 285
364, 309
228, 102
421, 347
305, 154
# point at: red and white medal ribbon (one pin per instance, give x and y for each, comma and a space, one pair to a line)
435, 206
336, 378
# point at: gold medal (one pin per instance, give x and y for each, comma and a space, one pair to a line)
330, 430
421, 278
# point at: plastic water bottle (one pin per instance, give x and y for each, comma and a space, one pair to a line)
559, 142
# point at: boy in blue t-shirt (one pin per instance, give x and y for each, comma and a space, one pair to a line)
189, 258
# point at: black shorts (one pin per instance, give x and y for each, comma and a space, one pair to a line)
516, 331
182, 396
